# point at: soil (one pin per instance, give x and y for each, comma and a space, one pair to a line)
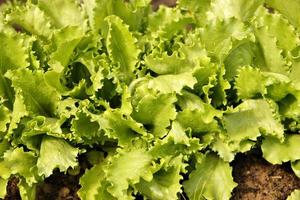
59, 187
156, 3
259, 180
13, 190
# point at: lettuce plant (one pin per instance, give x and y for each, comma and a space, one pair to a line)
159, 103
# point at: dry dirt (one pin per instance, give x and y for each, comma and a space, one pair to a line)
259, 180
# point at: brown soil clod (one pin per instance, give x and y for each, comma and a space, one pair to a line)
12, 190
260, 180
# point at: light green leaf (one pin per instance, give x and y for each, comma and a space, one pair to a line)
40, 100
219, 37
176, 143
121, 48
250, 83
218, 96
104, 194
290, 9
240, 9
246, 54
278, 27
172, 83
34, 130
167, 22
251, 119
3, 184
211, 180
112, 177
158, 118
31, 19
4, 146
18, 162
296, 167
206, 79
165, 184
119, 126
63, 13
196, 114
274, 62
132, 13
277, 152
5, 116
64, 43
84, 127
97, 67
27, 192
199, 121
91, 182
19, 111
227, 149
199, 8
120, 178
96, 11
295, 195
61, 156
12, 47
166, 64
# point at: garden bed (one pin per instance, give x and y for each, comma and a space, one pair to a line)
257, 179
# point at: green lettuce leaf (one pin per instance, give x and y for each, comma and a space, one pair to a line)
250, 83
172, 83
273, 62
91, 183
245, 54
200, 117
119, 126
210, 180
278, 27
288, 9
159, 119
221, 36
296, 167
133, 13
61, 156
294, 195
4, 118
167, 22
240, 9
120, 179
166, 64
12, 47
251, 119
27, 192
38, 101
121, 48
114, 182
20, 163
63, 13
176, 143
19, 111
165, 183
3, 184
32, 19
277, 152
64, 43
